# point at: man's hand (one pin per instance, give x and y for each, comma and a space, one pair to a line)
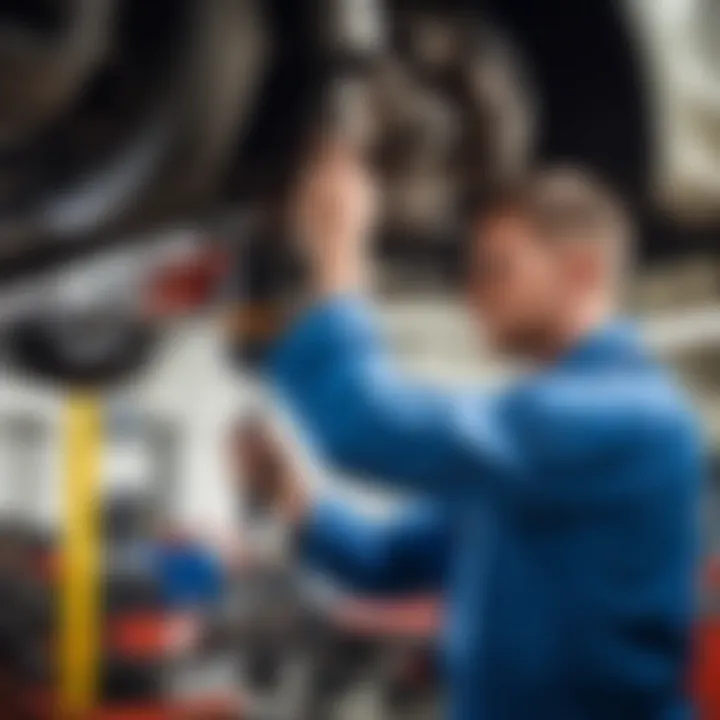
335, 212
265, 466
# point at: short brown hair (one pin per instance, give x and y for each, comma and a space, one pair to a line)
563, 204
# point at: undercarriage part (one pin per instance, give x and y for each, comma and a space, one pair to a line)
137, 115
456, 117
436, 97
116, 116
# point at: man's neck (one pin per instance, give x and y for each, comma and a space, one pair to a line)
580, 322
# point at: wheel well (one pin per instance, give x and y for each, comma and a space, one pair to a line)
591, 85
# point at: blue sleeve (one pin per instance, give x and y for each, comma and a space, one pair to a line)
368, 419
334, 374
191, 575
404, 554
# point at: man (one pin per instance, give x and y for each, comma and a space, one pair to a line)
557, 518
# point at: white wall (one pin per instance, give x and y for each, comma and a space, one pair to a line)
188, 384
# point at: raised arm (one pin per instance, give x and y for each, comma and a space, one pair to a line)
335, 376
333, 370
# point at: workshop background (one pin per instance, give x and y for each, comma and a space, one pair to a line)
95, 198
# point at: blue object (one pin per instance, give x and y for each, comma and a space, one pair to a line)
192, 575
557, 518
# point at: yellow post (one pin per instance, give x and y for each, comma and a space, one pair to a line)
80, 593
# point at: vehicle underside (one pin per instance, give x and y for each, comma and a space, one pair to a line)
119, 117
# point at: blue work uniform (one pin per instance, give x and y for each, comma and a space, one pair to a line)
558, 518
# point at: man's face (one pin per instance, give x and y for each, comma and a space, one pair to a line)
519, 284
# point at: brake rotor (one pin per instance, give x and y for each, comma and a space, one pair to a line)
456, 117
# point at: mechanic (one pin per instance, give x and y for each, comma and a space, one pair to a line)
557, 517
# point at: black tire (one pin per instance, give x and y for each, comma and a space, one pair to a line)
172, 107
